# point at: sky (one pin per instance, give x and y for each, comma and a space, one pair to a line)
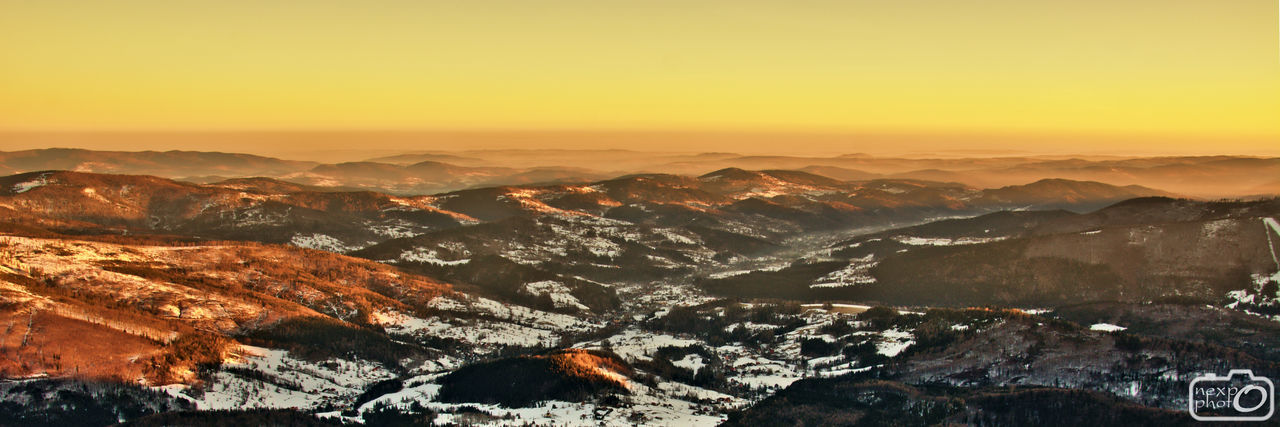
1148, 76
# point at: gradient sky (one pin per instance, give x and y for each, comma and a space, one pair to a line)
1173, 74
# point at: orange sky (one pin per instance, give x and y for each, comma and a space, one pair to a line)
1137, 75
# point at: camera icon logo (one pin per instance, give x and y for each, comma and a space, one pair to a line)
1239, 396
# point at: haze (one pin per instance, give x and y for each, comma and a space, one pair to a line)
1141, 77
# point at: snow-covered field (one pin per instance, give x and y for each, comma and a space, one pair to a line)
660, 406
269, 378
486, 325
669, 403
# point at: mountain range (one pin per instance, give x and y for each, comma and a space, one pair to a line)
435, 172
721, 289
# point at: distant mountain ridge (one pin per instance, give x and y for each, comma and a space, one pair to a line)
170, 164
435, 172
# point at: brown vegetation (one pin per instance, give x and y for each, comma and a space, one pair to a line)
158, 313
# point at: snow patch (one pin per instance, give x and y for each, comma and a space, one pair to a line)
39, 181
1106, 327
692, 362
858, 272
560, 294
320, 241
893, 342
429, 256
943, 241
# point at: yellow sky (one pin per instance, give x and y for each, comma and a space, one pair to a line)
1193, 69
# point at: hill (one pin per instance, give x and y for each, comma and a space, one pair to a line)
259, 210
1207, 251
572, 375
